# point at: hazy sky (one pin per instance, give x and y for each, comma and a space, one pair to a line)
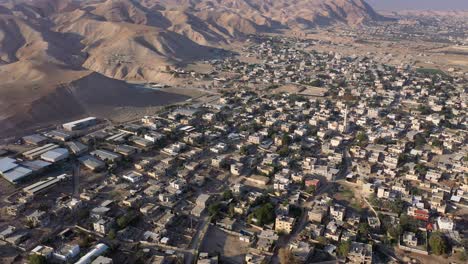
419, 4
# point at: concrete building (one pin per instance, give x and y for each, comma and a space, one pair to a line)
360, 253
337, 212
200, 204
317, 213
38, 218
445, 223
133, 176
67, 252
410, 239
102, 260
284, 224
103, 225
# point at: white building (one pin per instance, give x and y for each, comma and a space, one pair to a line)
133, 177
445, 223
338, 212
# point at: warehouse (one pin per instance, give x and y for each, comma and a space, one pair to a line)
91, 163
36, 165
106, 155
43, 185
77, 148
80, 124
98, 250
55, 155
12, 172
125, 150
119, 137
35, 139
141, 142
37, 152
59, 135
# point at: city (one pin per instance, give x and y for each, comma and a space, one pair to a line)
257, 175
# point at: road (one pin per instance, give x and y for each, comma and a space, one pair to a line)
202, 227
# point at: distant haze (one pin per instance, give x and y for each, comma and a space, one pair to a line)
393, 5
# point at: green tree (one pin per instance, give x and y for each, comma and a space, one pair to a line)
462, 256
363, 231
361, 139
408, 224
286, 139
36, 259
310, 189
264, 214
322, 240
397, 206
419, 141
420, 169
124, 220
437, 143
438, 243
227, 195
231, 210
112, 235
343, 248
284, 151
85, 241
214, 209
394, 231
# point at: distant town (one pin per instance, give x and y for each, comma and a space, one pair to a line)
296, 156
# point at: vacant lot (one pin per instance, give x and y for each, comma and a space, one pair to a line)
232, 250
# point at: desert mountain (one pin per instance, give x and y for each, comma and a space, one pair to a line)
46, 45
129, 39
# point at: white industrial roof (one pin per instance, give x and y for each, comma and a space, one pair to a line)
79, 121
36, 164
17, 174
55, 154
7, 164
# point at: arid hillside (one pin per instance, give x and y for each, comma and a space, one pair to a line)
46, 45
131, 39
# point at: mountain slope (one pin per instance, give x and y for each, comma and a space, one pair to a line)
132, 39
61, 58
